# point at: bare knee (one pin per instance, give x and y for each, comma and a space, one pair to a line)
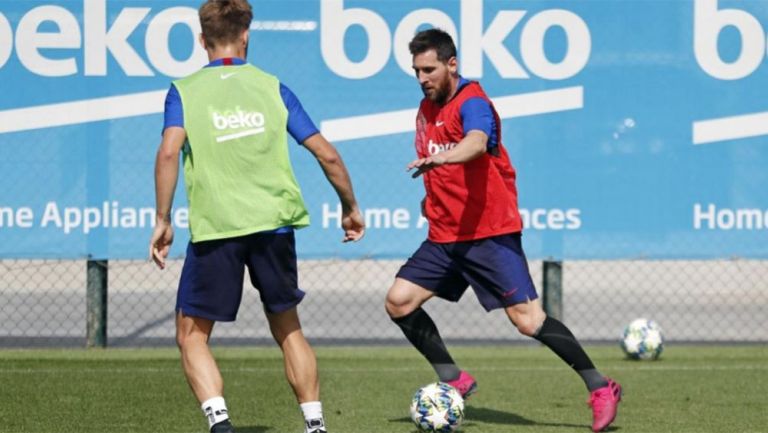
530, 325
404, 297
181, 340
185, 340
527, 318
192, 331
283, 324
397, 307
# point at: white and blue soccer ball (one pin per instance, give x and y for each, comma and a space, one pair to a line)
643, 339
437, 408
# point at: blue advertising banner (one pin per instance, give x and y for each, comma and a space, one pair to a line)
638, 129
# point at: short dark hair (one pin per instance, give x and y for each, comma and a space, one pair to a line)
433, 39
223, 21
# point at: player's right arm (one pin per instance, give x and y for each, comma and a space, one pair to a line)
166, 176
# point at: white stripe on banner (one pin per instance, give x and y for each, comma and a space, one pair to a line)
370, 125
89, 110
394, 122
347, 128
730, 128
284, 26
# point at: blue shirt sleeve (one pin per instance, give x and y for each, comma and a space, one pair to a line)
174, 112
476, 114
300, 126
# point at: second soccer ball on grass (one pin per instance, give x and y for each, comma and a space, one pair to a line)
642, 339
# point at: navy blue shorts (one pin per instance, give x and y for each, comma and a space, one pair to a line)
211, 283
495, 267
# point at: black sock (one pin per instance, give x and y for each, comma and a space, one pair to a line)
560, 340
421, 331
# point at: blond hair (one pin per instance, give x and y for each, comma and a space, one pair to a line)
223, 21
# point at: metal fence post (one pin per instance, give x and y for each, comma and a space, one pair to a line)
553, 289
96, 303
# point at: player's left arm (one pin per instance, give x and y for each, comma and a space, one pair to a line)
336, 173
304, 131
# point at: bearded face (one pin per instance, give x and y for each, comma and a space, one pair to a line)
439, 91
437, 79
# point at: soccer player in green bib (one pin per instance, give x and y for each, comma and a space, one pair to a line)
231, 121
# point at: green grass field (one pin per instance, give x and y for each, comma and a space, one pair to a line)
368, 390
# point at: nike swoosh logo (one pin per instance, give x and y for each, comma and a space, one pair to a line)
439, 123
225, 76
509, 293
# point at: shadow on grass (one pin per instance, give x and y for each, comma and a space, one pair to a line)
252, 429
493, 416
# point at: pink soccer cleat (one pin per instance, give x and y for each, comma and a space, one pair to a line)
465, 384
604, 402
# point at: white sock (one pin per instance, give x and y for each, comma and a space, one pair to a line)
313, 416
215, 410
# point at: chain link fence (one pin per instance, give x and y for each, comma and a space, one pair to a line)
44, 303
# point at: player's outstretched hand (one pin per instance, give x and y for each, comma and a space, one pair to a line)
353, 224
160, 243
423, 165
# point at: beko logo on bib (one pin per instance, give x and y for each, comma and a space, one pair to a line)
245, 123
435, 148
239, 119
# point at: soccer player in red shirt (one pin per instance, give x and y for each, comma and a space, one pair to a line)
474, 227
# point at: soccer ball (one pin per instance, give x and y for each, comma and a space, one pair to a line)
437, 407
642, 339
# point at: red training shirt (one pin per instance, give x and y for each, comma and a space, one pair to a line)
473, 200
